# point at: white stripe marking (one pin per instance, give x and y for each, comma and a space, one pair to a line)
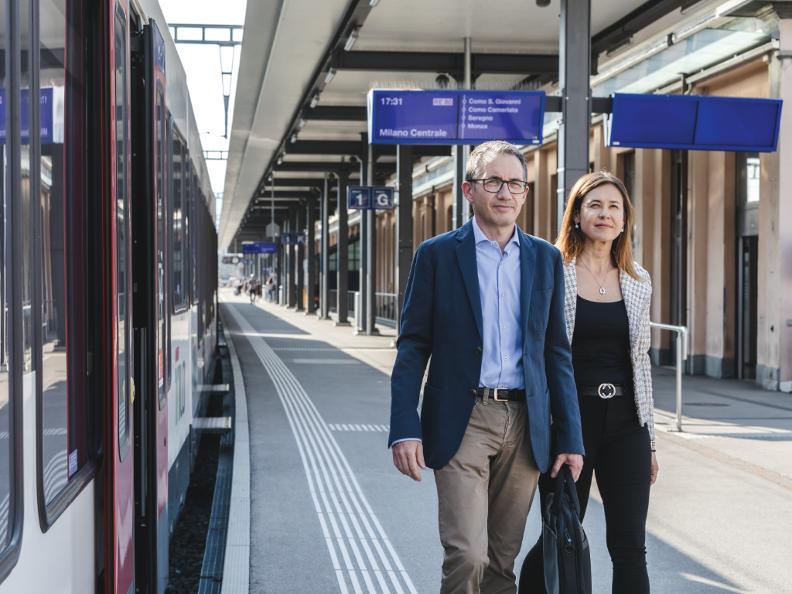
325, 361
329, 473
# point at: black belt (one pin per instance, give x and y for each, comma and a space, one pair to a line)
499, 394
604, 390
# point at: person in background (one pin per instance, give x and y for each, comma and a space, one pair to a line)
607, 318
271, 289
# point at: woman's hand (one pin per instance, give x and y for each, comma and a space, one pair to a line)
653, 469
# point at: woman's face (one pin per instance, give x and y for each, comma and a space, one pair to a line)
601, 215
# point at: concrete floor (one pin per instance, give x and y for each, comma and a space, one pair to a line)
329, 513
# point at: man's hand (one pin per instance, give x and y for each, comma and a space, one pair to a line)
408, 458
653, 469
574, 461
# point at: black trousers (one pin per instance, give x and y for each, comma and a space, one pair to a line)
618, 451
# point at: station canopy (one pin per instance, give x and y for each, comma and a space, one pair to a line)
307, 66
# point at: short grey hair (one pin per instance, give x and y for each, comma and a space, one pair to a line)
484, 153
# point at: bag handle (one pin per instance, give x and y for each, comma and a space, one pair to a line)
565, 483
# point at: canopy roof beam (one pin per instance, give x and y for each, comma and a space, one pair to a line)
449, 63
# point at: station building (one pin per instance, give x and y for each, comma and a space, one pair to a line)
713, 228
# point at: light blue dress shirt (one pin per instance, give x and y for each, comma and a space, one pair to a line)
499, 291
499, 279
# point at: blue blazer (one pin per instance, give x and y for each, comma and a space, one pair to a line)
442, 318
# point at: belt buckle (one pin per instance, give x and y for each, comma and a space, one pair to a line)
606, 391
495, 397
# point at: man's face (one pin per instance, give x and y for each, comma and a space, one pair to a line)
497, 210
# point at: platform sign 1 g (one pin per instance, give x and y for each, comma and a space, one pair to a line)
358, 197
370, 197
382, 198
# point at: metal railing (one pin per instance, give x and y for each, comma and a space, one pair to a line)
352, 303
332, 302
681, 356
385, 306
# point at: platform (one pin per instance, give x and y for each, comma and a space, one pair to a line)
329, 513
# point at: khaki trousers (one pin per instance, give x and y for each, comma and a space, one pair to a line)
484, 494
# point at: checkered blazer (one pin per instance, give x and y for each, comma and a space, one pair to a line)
637, 299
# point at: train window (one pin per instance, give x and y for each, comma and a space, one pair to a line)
199, 272
178, 267
167, 143
195, 205
160, 271
68, 253
121, 232
188, 223
28, 142
6, 318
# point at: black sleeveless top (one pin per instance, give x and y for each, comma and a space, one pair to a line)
601, 344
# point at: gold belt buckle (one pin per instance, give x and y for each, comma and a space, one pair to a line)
606, 391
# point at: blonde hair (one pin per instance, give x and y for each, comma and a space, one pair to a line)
571, 239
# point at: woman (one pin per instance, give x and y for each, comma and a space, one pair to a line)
607, 316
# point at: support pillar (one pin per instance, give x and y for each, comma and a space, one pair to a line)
404, 223
324, 311
342, 253
291, 300
365, 180
370, 300
774, 319
574, 65
460, 202
366, 317
310, 250
280, 274
299, 257
461, 209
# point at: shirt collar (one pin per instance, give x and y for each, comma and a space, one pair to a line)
479, 236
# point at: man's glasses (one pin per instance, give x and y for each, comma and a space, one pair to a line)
493, 185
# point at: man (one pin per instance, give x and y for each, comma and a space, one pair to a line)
485, 301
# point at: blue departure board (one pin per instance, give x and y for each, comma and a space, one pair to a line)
455, 117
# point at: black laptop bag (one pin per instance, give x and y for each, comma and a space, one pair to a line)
567, 563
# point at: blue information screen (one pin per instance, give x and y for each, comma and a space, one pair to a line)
694, 122
259, 247
455, 117
51, 131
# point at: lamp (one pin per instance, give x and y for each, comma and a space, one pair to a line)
353, 35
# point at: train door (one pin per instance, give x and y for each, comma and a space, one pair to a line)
149, 125
748, 167
119, 459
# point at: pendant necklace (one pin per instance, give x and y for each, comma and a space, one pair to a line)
602, 290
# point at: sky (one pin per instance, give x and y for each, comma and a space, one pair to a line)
202, 66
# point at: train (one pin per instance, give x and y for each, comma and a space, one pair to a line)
108, 279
